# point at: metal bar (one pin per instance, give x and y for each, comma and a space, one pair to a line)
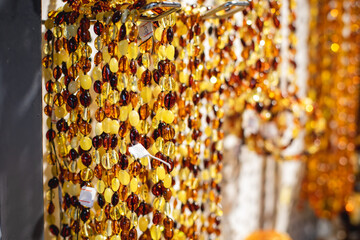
240, 5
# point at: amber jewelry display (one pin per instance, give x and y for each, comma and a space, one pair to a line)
333, 82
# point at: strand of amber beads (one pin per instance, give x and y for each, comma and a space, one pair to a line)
331, 130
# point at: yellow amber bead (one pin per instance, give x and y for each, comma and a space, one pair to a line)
106, 161
98, 128
85, 143
115, 184
134, 118
168, 116
160, 172
158, 33
86, 174
146, 94
60, 112
182, 196
106, 125
115, 213
133, 50
167, 181
114, 127
134, 184
115, 237
100, 237
143, 223
106, 55
155, 232
85, 82
124, 177
108, 194
170, 52
123, 47
162, 52
114, 65
100, 186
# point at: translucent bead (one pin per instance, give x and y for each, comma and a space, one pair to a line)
100, 186
98, 128
160, 172
106, 161
134, 118
124, 177
155, 232
86, 174
133, 50
115, 213
85, 143
74, 86
114, 127
85, 81
168, 116
114, 65
106, 125
108, 194
134, 184
143, 223
167, 181
146, 94
123, 47
170, 52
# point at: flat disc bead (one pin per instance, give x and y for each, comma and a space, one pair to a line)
85, 143
134, 118
85, 82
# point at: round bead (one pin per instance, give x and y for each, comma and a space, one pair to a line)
85, 143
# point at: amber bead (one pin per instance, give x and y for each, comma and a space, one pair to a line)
167, 194
98, 58
124, 129
100, 114
54, 230
72, 101
66, 231
72, 45
85, 214
146, 77
158, 189
50, 208
85, 98
133, 66
123, 64
132, 201
86, 159
170, 34
123, 161
97, 142
170, 100
125, 223
98, 28
115, 199
98, 171
48, 35
57, 72
144, 111
134, 135
133, 234
134, 168
116, 17
62, 125
157, 216
97, 86
50, 135
122, 32
156, 76
106, 73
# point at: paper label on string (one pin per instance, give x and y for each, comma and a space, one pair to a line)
139, 151
87, 196
146, 31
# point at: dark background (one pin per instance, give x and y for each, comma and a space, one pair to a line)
21, 202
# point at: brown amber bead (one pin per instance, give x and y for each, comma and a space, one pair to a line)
146, 77
85, 214
158, 189
134, 168
133, 66
170, 100
123, 64
100, 114
132, 201
157, 216
122, 32
124, 129
54, 230
144, 111
98, 58
72, 101
124, 223
86, 159
115, 199
106, 73
133, 234
98, 28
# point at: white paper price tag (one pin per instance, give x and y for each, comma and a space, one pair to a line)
138, 151
87, 196
145, 31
